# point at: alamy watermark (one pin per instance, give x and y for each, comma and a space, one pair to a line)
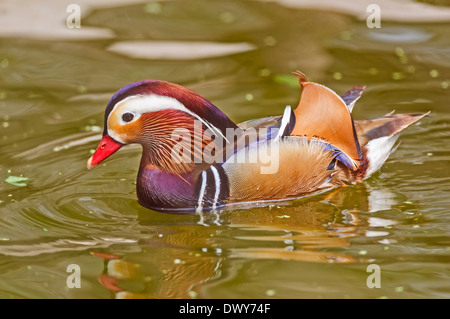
374, 280
374, 18
73, 21
74, 279
237, 145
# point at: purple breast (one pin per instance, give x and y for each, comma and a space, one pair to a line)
162, 191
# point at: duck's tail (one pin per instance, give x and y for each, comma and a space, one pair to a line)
377, 138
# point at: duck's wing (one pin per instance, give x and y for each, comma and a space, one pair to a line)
272, 127
274, 170
352, 95
263, 122
262, 130
322, 114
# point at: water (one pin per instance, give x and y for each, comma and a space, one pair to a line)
54, 86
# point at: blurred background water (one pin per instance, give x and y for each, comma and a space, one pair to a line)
55, 83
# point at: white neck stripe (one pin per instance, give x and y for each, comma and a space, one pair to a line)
217, 180
201, 193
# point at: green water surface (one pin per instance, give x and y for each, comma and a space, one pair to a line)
55, 83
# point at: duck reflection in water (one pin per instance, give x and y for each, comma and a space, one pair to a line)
185, 256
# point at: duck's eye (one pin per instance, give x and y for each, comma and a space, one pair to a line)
127, 117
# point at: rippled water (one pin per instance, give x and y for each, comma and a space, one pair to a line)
54, 86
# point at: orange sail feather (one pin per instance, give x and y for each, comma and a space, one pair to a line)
322, 114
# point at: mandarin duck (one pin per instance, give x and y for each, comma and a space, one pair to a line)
195, 158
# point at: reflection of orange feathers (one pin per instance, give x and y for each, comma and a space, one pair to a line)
322, 114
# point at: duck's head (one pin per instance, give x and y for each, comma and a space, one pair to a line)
149, 112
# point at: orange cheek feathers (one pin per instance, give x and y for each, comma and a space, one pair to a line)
126, 133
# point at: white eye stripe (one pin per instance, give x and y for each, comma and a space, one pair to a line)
140, 104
